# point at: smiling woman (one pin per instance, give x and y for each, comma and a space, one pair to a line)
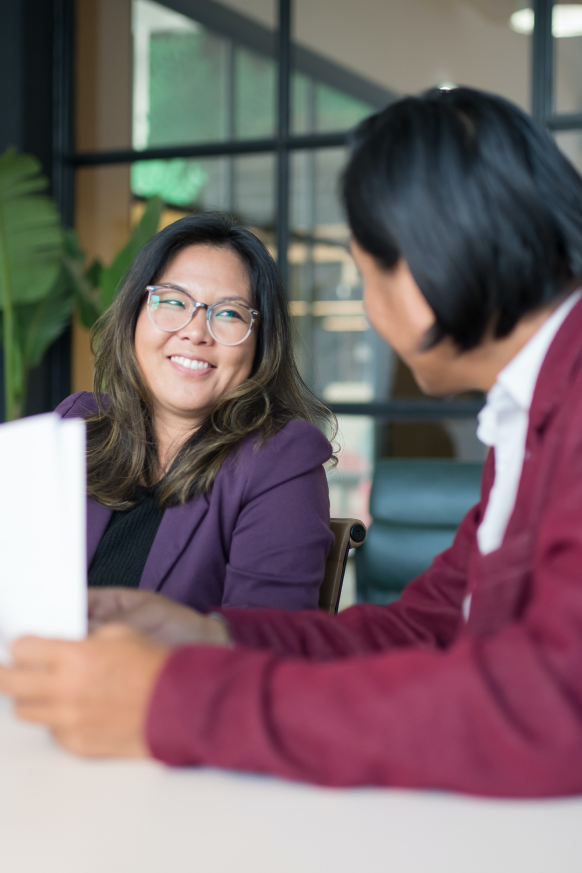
205, 470
191, 352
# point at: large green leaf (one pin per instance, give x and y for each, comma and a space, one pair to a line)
31, 244
40, 324
84, 283
30, 233
112, 276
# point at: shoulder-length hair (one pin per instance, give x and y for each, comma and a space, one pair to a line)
479, 201
121, 443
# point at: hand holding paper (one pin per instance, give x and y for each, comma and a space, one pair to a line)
43, 587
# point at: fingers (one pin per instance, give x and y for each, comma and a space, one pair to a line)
36, 653
91, 744
26, 686
34, 662
33, 674
92, 694
5, 679
152, 615
144, 612
115, 631
107, 603
37, 712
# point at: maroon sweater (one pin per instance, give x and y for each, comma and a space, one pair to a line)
409, 695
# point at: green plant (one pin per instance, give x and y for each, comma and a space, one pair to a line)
34, 299
43, 275
96, 286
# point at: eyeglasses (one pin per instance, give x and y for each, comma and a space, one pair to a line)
229, 321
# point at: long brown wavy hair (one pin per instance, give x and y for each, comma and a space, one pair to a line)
122, 453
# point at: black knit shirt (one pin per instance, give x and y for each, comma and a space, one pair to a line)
124, 548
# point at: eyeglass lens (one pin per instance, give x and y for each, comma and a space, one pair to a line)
229, 323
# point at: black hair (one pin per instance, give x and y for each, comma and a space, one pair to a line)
479, 201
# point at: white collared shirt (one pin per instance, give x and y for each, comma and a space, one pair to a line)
503, 424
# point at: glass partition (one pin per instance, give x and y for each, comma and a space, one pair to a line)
197, 79
242, 185
570, 142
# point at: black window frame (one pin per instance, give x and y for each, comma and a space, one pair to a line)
279, 44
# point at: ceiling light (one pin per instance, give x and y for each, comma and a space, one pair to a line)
566, 20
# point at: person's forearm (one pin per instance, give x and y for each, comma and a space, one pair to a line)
409, 719
429, 613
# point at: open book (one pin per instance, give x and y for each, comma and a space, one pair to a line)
43, 586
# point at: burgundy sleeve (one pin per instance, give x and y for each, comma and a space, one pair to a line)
428, 613
496, 715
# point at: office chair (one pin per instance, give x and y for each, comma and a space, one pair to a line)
349, 534
416, 508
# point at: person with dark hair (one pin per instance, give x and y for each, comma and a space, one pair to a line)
467, 229
204, 464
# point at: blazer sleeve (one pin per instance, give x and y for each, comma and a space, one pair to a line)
428, 613
493, 715
282, 536
77, 405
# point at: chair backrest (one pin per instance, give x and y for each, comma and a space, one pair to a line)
416, 508
349, 533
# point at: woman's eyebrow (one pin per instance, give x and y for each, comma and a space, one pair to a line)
173, 285
177, 287
232, 298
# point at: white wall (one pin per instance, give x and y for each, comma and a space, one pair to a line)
408, 45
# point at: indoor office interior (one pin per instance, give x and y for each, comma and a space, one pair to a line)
246, 106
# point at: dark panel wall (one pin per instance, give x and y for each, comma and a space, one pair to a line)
26, 121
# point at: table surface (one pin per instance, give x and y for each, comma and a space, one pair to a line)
59, 813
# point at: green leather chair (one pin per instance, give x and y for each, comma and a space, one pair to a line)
416, 508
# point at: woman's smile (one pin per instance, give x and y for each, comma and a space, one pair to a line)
187, 370
191, 365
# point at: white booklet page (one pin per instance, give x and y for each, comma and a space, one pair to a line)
43, 586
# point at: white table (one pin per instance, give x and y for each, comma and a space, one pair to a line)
59, 814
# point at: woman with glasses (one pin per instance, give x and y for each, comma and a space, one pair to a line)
205, 469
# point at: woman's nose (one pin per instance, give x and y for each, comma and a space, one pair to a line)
197, 328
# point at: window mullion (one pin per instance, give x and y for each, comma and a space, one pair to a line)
283, 126
542, 61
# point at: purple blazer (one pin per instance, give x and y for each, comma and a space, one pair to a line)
260, 538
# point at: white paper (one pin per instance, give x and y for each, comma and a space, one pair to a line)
43, 586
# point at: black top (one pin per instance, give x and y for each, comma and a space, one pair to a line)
124, 548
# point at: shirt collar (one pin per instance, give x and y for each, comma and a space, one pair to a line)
515, 384
520, 375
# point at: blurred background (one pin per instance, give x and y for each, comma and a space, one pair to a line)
245, 106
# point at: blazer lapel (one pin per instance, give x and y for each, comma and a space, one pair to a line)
178, 525
97, 520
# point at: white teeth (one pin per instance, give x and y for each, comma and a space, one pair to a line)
188, 362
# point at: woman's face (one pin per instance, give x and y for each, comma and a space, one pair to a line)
208, 274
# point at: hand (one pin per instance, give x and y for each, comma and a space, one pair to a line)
156, 617
93, 695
